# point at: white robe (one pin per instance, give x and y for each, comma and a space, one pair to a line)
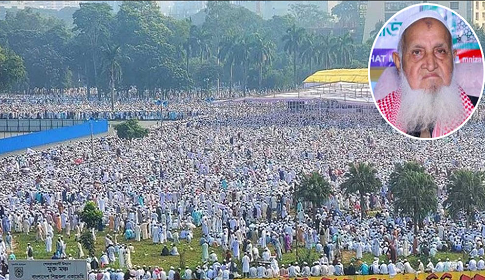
144, 231
245, 264
392, 270
128, 259
48, 244
137, 232
358, 250
405, 248
121, 257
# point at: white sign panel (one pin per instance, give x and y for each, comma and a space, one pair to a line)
48, 270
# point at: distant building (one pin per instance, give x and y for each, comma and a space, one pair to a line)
51, 5
384, 10
115, 5
331, 4
268, 9
165, 7
12, 4
185, 9
478, 13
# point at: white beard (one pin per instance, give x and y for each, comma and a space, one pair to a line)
421, 109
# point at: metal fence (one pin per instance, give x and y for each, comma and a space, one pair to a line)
34, 125
52, 136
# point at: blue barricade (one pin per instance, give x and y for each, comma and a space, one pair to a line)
40, 138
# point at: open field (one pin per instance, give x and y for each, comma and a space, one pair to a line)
148, 254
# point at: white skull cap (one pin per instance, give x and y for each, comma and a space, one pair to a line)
420, 15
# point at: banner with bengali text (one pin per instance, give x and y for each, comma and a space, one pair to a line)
464, 41
465, 275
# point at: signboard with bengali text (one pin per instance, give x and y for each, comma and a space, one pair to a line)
464, 41
48, 270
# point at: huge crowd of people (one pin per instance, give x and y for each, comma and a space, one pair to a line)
230, 170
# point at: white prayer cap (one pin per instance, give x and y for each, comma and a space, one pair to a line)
420, 15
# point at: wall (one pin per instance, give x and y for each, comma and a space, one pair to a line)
52, 136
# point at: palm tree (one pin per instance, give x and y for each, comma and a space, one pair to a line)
200, 42
309, 51
242, 55
361, 178
227, 53
313, 188
190, 46
466, 193
204, 46
293, 41
377, 27
415, 194
197, 42
399, 169
262, 53
112, 67
326, 50
346, 49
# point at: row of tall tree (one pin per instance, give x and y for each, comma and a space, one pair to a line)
413, 191
224, 46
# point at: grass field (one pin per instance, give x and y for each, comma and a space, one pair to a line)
148, 254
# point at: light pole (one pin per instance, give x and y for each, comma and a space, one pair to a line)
92, 143
207, 86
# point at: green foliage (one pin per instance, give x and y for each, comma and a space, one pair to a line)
361, 178
350, 17
207, 73
399, 169
313, 188
93, 24
149, 255
414, 192
480, 33
310, 16
42, 45
87, 242
111, 68
466, 193
12, 69
306, 256
130, 129
157, 53
294, 37
348, 13
374, 33
91, 215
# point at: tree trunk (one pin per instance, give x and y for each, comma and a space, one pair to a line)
260, 76
415, 219
187, 61
87, 79
294, 67
112, 89
246, 66
95, 74
230, 82
362, 207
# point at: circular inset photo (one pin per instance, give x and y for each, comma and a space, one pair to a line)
426, 71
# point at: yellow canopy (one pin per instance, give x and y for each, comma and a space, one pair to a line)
359, 76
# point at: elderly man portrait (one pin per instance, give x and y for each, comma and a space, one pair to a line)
428, 101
